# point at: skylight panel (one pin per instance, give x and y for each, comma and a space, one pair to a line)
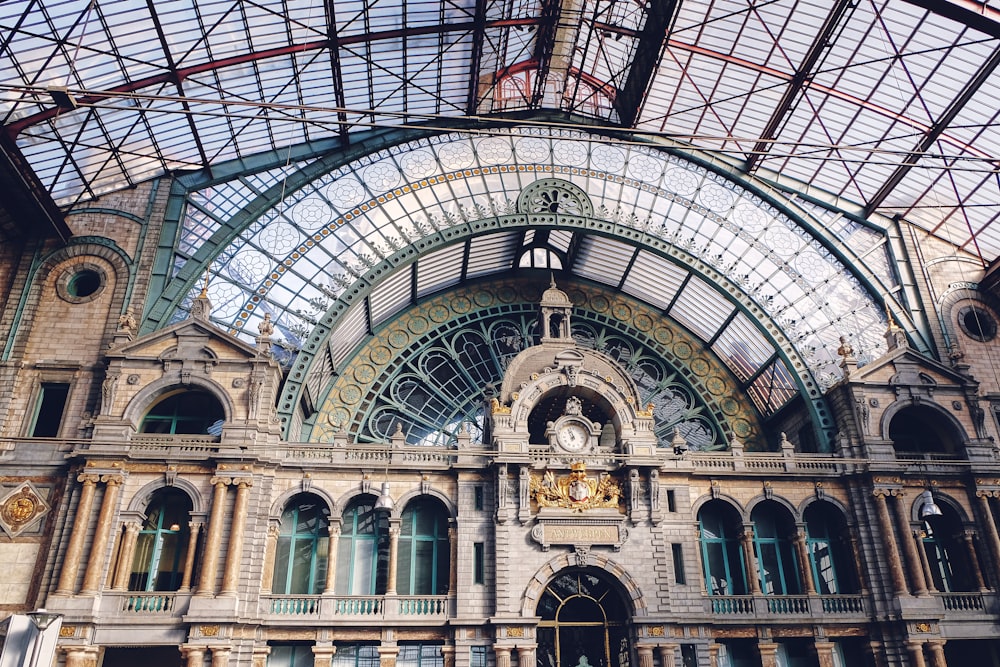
701, 308
654, 279
602, 259
743, 347
492, 254
351, 329
392, 295
440, 269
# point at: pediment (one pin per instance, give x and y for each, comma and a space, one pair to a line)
909, 368
190, 339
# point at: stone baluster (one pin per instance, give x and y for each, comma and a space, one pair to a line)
234, 554
98, 551
77, 535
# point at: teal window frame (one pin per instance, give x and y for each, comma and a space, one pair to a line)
777, 552
49, 410
175, 412
729, 554
356, 655
363, 532
420, 655
290, 655
158, 539
423, 556
303, 543
938, 558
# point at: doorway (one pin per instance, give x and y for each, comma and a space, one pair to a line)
584, 622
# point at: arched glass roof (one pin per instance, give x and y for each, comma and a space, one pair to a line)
887, 109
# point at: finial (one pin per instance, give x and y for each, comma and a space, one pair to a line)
204, 287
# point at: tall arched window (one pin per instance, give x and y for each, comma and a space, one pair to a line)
776, 562
829, 550
161, 546
947, 555
303, 547
424, 551
363, 550
923, 432
720, 527
188, 411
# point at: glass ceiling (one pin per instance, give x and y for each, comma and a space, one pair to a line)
887, 109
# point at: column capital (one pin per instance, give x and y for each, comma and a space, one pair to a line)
88, 478
113, 479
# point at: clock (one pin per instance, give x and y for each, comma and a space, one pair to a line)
572, 436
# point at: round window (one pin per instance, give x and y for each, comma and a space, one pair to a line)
977, 323
81, 283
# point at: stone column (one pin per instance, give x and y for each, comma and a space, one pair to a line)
220, 656
977, 570
859, 570
645, 653
210, 560
936, 650
805, 563
390, 587
259, 656
81, 656
746, 539
74, 550
331, 559
125, 556
234, 554
918, 538
453, 564
387, 656
270, 552
891, 552
824, 652
768, 654
95, 564
323, 655
668, 655
713, 654
194, 656
525, 656
916, 650
448, 657
992, 536
192, 547
503, 655
909, 549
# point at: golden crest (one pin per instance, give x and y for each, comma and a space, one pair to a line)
576, 490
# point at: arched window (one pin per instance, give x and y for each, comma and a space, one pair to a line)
776, 562
424, 550
161, 546
303, 547
363, 550
185, 411
720, 527
921, 432
828, 547
947, 553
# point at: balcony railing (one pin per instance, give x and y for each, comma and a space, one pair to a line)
148, 603
376, 607
963, 601
786, 605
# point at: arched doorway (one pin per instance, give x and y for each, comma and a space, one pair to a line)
584, 622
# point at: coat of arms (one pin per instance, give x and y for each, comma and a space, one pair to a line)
576, 490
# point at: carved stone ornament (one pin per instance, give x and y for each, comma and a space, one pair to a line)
575, 491
20, 508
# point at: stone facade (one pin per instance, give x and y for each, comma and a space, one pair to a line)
520, 513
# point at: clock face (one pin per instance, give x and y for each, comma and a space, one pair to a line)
572, 437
